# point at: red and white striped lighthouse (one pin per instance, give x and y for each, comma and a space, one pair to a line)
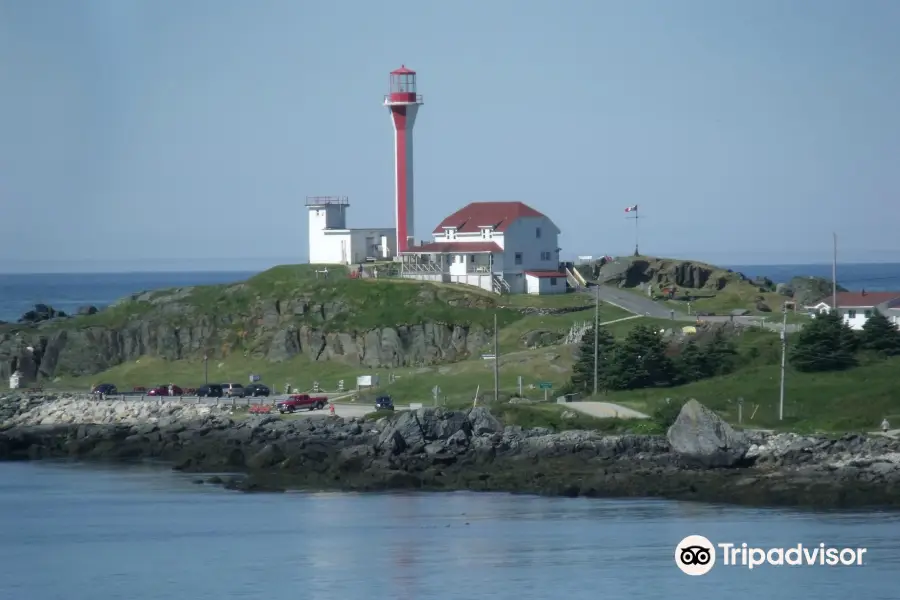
403, 102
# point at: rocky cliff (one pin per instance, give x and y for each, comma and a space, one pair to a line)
808, 290
665, 272
277, 315
435, 449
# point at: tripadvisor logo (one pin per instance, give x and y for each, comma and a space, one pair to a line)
696, 555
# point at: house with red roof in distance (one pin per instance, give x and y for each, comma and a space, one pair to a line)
857, 307
502, 247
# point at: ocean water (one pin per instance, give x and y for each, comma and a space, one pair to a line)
80, 533
874, 277
66, 292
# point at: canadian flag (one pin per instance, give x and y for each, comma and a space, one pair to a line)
631, 208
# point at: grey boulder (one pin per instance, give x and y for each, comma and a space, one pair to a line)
701, 437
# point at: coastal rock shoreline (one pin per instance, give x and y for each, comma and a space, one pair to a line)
442, 450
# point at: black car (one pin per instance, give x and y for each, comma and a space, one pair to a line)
107, 389
212, 390
256, 389
384, 403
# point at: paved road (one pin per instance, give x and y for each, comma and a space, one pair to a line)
634, 303
641, 305
606, 410
138, 397
893, 433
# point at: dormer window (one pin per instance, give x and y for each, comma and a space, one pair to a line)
450, 232
487, 232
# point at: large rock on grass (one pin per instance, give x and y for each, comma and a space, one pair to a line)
699, 436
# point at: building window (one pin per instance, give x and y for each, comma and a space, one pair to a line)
553, 282
868, 313
471, 258
518, 258
545, 256
537, 232
851, 314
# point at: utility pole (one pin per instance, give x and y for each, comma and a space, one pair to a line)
834, 274
596, 335
783, 356
496, 365
206, 369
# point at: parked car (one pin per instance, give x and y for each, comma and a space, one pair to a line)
233, 390
302, 401
256, 389
212, 390
384, 403
107, 389
163, 390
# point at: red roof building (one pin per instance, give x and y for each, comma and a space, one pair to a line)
497, 215
500, 246
857, 307
861, 299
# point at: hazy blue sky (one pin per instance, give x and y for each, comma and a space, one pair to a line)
160, 133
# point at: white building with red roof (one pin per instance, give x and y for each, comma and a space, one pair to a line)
857, 307
503, 247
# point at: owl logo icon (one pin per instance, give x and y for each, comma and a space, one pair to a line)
695, 555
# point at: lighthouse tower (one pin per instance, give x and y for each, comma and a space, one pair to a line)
403, 102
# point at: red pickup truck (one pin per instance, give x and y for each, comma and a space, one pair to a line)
300, 401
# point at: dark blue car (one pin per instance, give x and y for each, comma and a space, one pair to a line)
107, 389
384, 403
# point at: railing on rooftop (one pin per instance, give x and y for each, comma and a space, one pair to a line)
324, 200
390, 99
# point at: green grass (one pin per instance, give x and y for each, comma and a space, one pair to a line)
555, 417
853, 400
569, 300
378, 414
551, 416
458, 382
511, 337
295, 295
793, 318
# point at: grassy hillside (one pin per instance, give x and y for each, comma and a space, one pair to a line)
335, 303
854, 400
458, 381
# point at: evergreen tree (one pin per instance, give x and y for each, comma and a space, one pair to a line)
640, 361
825, 344
691, 364
880, 335
721, 355
583, 369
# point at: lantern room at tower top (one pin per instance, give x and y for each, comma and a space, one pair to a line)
403, 88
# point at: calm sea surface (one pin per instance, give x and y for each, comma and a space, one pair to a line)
19, 293
67, 292
70, 532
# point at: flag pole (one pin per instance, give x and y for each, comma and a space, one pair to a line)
636, 231
634, 209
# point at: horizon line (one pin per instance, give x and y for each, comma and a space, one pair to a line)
152, 271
